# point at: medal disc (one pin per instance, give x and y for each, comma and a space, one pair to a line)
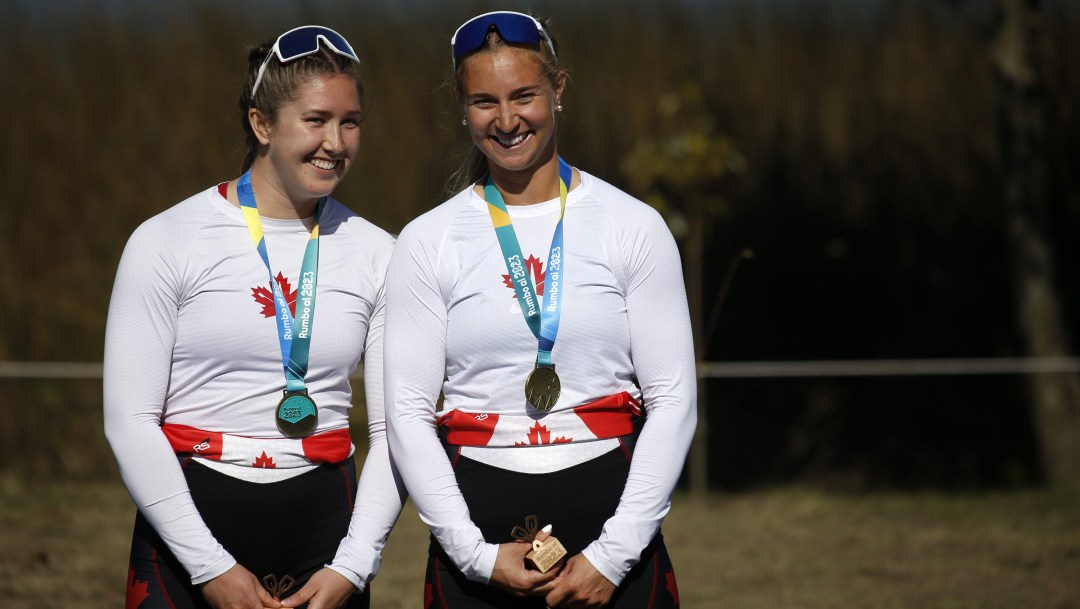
542, 388
296, 415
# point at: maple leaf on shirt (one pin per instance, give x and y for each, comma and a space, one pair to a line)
535, 268
265, 296
539, 434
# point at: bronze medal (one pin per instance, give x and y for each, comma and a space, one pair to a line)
542, 388
296, 415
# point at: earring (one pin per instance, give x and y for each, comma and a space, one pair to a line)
558, 106
464, 122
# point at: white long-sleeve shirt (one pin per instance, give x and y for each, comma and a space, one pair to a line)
625, 327
191, 342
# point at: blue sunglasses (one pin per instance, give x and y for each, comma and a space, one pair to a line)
513, 27
302, 41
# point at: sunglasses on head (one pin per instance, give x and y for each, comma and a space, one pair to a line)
513, 27
302, 41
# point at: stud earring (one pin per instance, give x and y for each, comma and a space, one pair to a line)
464, 122
558, 106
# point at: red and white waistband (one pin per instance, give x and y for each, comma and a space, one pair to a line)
612, 416
267, 453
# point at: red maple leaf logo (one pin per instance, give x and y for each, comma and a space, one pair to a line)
137, 591
264, 461
265, 296
539, 434
535, 268
672, 586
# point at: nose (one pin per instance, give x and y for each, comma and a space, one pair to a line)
507, 119
334, 142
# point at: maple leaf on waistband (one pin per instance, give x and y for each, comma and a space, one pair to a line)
265, 296
539, 434
264, 461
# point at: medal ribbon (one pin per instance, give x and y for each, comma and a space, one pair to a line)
542, 318
295, 341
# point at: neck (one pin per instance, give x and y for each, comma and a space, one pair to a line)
272, 199
528, 188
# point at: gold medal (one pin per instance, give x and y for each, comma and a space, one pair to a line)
296, 415
542, 388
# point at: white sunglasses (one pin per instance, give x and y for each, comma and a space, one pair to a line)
302, 41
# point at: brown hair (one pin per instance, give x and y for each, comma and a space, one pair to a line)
474, 166
281, 82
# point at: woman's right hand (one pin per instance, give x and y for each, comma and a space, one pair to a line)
512, 576
238, 588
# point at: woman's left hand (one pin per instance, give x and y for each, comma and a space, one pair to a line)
327, 589
580, 585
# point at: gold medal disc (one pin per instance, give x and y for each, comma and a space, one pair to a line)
542, 388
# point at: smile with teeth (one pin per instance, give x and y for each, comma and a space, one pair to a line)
324, 164
509, 142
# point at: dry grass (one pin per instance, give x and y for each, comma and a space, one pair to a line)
65, 545
797, 548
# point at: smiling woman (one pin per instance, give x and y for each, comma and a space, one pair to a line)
521, 301
226, 397
306, 147
310, 110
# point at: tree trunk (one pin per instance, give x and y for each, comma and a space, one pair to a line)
1055, 398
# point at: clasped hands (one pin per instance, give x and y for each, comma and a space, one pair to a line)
238, 588
572, 582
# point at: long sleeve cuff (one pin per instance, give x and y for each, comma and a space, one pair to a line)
218, 568
612, 570
350, 575
484, 564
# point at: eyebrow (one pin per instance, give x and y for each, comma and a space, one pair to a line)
325, 112
514, 93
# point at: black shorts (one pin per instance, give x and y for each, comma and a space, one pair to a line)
576, 501
292, 527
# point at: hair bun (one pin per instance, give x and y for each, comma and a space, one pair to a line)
258, 54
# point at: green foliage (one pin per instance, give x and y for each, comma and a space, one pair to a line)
123, 114
850, 145
687, 159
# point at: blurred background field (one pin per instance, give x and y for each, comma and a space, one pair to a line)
848, 180
65, 545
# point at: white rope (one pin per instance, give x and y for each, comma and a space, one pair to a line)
51, 370
729, 370
906, 367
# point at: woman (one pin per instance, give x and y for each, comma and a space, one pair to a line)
549, 310
226, 396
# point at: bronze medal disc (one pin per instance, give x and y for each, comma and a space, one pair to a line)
542, 388
296, 415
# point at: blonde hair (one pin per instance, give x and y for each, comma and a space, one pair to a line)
474, 166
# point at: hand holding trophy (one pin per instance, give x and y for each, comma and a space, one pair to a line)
278, 587
545, 553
